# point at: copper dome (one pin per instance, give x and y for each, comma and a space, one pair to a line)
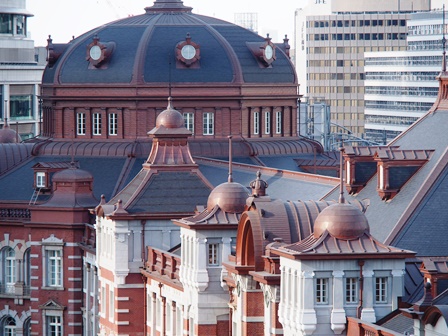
342, 221
170, 118
229, 196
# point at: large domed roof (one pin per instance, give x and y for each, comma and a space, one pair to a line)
144, 49
342, 221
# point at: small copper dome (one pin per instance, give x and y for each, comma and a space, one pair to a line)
170, 118
8, 135
229, 196
342, 221
72, 175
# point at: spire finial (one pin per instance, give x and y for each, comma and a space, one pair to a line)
341, 174
443, 41
230, 179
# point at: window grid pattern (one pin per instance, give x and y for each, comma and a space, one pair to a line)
322, 290
208, 123
189, 121
113, 124
54, 268
81, 124
381, 290
40, 180
10, 270
278, 122
9, 326
351, 290
213, 256
267, 122
54, 326
96, 124
256, 122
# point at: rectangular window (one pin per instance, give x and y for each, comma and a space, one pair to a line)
113, 124
381, 290
54, 262
213, 254
267, 123
209, 123
10, 270
81, 124
96, 123
54, 326
40, 180
322, 290
111, 305
256, 122
189, 121
351, 290
278, 122
20, 107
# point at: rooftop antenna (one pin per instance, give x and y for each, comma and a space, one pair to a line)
230, 179
341, 174
443, 41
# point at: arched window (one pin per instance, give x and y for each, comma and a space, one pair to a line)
9, 270
8, 325
27, 327
27, 272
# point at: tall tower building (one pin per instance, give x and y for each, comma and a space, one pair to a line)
20, 71
335, 47
400, 85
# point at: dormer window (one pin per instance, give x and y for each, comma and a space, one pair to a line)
41, 180
396, 167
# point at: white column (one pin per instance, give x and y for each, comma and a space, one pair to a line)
338, 317
137, 246
95, 299
397, 287
368, 313
87, 298
307, 317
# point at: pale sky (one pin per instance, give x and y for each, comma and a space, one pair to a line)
63, 19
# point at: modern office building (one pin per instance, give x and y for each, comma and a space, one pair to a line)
399, 85
335, 47
21, 68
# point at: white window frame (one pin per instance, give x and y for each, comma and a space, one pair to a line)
111, 304
189, 121
381, 289
8, 325
54, 321
351, 290
9, 270
96, 123
256, 122
53, 260
321, 291
81, 123
41, 181
208, 123
278, 122
213, 253
113, 124
103, 302
267, 122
